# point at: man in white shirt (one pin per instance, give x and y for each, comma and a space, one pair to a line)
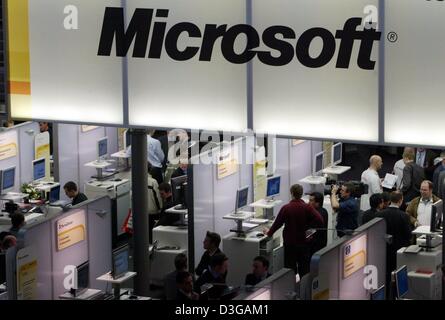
419, 209
155, 156
371, 178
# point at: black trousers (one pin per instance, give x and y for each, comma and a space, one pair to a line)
157, 174
297, 258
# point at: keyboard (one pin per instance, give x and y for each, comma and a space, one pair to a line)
32, 216
103, 296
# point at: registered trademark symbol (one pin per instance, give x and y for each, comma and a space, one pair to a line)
392, 36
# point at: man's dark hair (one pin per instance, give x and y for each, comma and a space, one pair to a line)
214, 238
17, 219
396, 196
181, 276
181, 262
263, 260
386, 197
3, 234
217, 260
318, 197
349, 187
296, 191
375, 200
164, 186
70, 186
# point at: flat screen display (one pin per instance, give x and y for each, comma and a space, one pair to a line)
8, 178
39, 168
273, 186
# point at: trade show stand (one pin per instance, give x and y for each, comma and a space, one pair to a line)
118, 190
424, 265
241, 251
338, 271
170, 241
49, 250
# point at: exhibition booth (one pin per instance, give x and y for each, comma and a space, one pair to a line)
263, 72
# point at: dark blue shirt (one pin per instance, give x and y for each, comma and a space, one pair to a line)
347, 217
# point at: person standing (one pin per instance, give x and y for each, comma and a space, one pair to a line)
413, 175
376, 202
297, 217
347, 209
398, 226
320, 241
419, 209
371, 178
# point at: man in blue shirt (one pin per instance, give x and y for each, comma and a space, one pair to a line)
347, 209
155, 156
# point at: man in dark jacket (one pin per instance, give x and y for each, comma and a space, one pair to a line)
211, 244
214, 275
297, 217
184, 283
398, 226
413, 175
260, 271
320, 240
376, 203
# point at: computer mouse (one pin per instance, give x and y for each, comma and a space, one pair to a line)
133, 297
260, 234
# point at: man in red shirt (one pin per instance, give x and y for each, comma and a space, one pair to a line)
297, 217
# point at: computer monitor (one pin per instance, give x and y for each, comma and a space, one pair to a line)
436, 216
178, 190
401, 278
83, 278
242, 196
102, 148
54, 194
378, 294
7, 180
127, 139
39, 169
273, 186
318, 163
336, 153
120, 261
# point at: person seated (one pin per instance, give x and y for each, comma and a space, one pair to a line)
419, 209
184, 285
211, 244
167, 219
260, 271
72, 192
215, 277
17, 221
170, 279
376, 203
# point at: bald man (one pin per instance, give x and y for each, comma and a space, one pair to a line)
371, 178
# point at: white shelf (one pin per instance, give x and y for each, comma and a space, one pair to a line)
121, 154
313, 180
109, 278
243, 215
264, 204
336, 170
98, 164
